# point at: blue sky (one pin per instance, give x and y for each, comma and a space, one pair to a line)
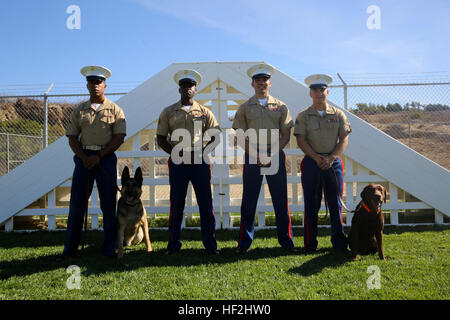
138, 38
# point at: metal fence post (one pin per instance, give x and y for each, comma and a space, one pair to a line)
42, 139
45, 121
409, 128
46, 115
345, 92
7, 150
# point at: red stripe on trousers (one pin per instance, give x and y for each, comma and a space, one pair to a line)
287, 201
342, 191
304, 215
170, 200
242, 229
212, 201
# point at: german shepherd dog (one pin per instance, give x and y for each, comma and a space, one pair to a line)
131, 214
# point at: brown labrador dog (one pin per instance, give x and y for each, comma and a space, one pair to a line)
131, 214
366, 232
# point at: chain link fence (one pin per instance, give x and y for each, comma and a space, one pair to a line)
416, 114
29, 123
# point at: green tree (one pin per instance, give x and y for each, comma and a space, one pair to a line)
393, 107
436, 107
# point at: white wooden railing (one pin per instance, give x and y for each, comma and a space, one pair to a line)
356, 177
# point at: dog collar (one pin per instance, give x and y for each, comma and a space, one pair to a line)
366, 207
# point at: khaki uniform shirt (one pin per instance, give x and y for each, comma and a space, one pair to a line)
96, 127
322, 132
252, 115
178, 117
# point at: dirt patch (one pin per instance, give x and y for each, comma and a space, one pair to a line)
428, 133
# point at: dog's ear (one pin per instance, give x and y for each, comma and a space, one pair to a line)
138, 176
125, 174
365, 193
383, 191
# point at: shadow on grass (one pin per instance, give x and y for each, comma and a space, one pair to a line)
38, 239
404, 229
331, 258
92, 262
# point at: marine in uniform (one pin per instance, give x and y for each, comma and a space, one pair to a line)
322, 134
96, 130
191, 166
264, 112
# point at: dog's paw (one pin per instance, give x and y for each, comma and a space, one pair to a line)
149, 250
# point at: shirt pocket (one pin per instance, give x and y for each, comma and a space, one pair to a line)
274, 116
274, 112
253, 114
200, 121
85, 119
312, 123
332, 124
177, 121
107, 117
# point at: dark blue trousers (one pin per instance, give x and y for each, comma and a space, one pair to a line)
200, 177
252, 180
313, 179
82, 184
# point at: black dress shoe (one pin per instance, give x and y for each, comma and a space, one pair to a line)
212, 252
341, 250
110, 255
169, 252
64, 256
241, 250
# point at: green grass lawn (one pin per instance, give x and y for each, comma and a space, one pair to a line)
416, 268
